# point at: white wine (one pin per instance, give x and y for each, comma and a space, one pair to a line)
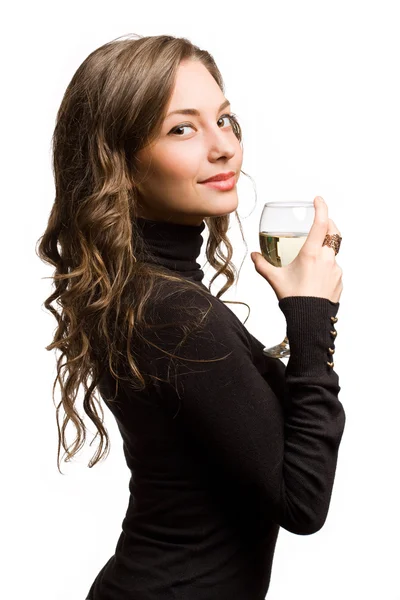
281, 248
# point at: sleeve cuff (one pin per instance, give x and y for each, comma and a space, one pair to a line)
311, 332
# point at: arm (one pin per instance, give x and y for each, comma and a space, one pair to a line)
286, 453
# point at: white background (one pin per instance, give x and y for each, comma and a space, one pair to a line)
315, 85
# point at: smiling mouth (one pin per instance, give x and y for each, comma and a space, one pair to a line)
219, 177
223, 185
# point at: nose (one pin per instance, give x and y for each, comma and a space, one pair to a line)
221, 143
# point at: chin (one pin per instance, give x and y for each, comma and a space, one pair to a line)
227, 207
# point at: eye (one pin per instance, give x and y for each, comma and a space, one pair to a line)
230, 116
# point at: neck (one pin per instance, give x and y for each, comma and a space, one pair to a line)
175, 246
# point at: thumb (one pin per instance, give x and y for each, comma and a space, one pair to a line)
263, 267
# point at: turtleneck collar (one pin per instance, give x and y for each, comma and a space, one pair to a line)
174, 246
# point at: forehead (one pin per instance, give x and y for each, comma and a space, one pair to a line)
194, 87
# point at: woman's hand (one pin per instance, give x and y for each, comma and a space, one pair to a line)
314, 271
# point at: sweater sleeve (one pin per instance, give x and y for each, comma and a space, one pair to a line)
284, 448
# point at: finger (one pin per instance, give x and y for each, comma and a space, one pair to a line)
319, 228
332, 229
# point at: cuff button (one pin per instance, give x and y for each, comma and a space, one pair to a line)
333, 332
331, 350
334, 319
330, 364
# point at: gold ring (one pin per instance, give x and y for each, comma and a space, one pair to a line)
333, 241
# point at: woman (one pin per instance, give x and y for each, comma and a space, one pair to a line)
224, 444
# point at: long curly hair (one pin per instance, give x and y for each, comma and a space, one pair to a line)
114, 105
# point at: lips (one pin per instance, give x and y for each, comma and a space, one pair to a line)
219, 177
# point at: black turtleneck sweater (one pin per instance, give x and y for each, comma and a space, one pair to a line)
239, 448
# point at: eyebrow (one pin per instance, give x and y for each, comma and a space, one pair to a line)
194, 111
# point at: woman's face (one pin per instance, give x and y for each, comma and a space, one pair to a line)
190, 149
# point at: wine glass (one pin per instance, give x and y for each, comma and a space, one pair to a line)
284, 227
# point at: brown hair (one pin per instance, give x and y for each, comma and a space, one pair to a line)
114, 105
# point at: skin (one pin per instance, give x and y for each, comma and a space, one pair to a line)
172, 167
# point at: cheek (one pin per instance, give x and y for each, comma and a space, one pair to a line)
178, 164
239, 152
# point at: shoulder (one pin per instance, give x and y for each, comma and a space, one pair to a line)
196, 320
216, 314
